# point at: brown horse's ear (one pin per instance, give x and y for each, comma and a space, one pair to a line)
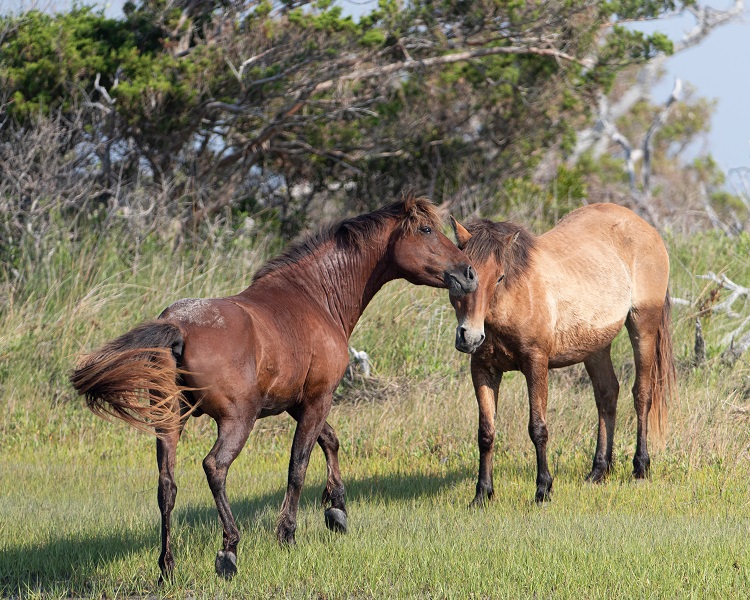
461, 233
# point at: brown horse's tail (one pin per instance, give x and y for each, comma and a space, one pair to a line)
136, 378
663, 381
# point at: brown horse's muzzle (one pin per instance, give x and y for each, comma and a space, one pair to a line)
461, 281
468, 340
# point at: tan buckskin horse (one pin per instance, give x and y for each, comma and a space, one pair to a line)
560, 299
280, 345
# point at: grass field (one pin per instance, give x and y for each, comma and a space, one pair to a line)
78, 514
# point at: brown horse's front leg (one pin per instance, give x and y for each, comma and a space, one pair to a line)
233, 433
334, 494
486, 383
535, 371
310, 421
166, 449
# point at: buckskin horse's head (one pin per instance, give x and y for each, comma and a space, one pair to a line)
499, 252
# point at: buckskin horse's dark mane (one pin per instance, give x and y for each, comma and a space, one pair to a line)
355, 233
490, 237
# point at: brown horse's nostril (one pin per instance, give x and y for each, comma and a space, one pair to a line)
471, 274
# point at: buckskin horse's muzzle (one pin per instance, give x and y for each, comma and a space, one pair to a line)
468, 340
461, 281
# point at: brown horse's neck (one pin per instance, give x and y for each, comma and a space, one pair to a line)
341, 281
349, 280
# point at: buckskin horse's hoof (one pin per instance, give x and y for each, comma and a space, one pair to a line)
226, 564
336, 520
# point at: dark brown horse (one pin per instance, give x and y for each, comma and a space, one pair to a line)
280, 345
559, 299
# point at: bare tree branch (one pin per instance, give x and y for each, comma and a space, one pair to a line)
707, 20
408, 65
657, 124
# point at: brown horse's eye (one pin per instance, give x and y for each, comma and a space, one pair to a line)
501, 278
425, 229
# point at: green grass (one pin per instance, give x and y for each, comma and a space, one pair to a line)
78, 513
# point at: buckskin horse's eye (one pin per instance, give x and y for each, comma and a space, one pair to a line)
425, 229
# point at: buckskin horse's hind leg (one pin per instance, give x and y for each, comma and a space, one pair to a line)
642, 327
486, 382
334, 493
606, 389
233, 433
310, 421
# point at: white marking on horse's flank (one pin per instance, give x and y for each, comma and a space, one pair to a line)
197, 311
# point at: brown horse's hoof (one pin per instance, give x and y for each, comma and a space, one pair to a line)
336, 520
285, 536
226, 564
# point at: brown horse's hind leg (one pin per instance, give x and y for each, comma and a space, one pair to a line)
606, 389
334, 493
536, 373
166, 449
310, 422
233, 433
486, 382
642, 327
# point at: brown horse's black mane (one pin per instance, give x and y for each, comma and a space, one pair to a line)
357, 232
489, 237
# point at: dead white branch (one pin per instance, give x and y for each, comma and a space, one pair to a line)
707, 19
411, 64
736, 349
656, 125
641, 194
102, 90
736, 291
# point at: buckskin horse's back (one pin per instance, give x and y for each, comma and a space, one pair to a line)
612, 233
601, 262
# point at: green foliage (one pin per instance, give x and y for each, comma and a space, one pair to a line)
46, 60
204, 94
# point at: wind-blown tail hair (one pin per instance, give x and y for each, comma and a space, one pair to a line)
136, 378
664, 378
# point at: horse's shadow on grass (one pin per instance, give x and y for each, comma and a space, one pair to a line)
66, 561
390, 488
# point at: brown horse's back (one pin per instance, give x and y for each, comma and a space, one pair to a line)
226, 339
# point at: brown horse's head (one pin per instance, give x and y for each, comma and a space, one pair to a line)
500, 252
423, 255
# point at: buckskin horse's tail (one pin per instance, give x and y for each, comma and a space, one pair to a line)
663, 379
136, 378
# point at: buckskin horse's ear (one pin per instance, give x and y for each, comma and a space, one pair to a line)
461, 233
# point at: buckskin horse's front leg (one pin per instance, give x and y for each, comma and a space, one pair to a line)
536, 372
486, 382
310, 420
